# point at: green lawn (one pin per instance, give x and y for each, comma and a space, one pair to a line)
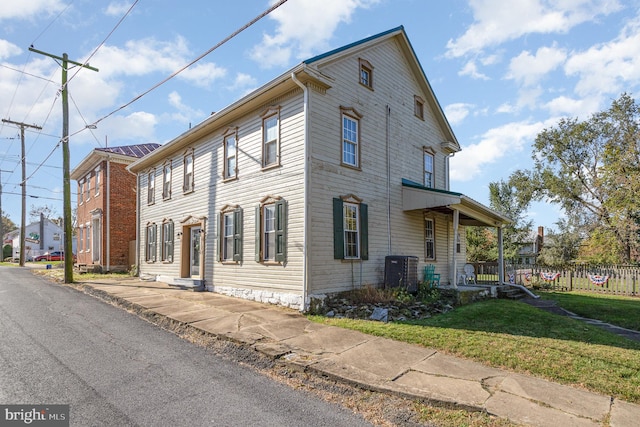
618, 310
520, 338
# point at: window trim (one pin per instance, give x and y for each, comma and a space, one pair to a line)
234, 212
151, 189
81, 192
151, 242
266, 116
168, 244
339, 243
167, 171
280, 230
428, 152
353, 115
188, 180
88, 188
365, 66
418, 107
431, 241
227, 176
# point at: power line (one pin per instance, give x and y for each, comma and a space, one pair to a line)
175, 73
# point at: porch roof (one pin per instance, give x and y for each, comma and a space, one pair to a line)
416, 196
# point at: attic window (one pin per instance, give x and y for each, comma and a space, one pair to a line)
418, 107
366, 73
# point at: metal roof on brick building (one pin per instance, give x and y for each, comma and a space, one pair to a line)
138, 150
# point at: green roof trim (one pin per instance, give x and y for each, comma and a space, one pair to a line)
412, 184
349, 46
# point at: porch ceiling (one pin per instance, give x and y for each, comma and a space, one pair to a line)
419, 197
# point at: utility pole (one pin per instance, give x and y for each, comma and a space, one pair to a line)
23, 217
68, 232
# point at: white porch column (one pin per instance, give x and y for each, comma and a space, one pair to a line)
500, 257
454, 264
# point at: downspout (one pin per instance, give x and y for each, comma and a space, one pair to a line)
107, 179
388, 141
307, 229
137, 224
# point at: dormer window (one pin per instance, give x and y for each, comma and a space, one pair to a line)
366, 73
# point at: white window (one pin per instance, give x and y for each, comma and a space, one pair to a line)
351, 226
166, 181
167, 241
87, 237
97, 181
270, 133
151, 242
429, 239
87, 188
81, 192
151, 187
418, 107
349, 141
269, 230
230, 157
187, 184
230, 247
428, 169
366, 73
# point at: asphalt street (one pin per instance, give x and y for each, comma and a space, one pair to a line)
61, 346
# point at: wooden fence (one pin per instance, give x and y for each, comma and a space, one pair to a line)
618, 280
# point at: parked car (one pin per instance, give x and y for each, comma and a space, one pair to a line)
52, 256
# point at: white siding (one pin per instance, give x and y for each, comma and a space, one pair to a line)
211, 193
394, 86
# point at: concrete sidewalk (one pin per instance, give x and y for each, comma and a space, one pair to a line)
375, 363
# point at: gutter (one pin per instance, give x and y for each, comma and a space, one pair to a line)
108, 215
305, 242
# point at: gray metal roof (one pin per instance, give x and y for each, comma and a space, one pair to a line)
138, 150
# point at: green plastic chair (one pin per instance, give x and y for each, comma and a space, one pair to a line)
430, 276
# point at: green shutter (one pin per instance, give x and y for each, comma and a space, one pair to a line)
258, 257
281, 231
220, 235
338, 229
155, 243
237, 235
364, 231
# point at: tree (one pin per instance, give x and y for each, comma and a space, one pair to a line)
591, 169
7, 224
47, 211
481, 244
562, 247
504, 198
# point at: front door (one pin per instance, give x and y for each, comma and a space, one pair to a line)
194, 253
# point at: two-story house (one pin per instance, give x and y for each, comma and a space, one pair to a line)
106, 209
303, 187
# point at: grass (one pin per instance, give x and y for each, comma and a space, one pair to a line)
617, 310
517, 337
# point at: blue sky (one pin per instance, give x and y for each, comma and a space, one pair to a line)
502, 71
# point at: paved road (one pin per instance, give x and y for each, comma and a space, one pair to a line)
60, 346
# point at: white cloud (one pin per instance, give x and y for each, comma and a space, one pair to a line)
470, 69
608, 68
457, 112
563, 106
26, 9
495, 144
117, 8
147, 56
496, 22
528, 69
184, 112
303, 27
8, 49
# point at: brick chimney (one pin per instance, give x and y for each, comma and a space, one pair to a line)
540, 239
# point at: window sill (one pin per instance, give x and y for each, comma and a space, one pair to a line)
229, 179
367, 86
269, 167
189, 191
348, 166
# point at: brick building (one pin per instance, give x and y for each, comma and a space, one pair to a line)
106, 208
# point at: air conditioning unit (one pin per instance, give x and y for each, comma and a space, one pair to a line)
401, 271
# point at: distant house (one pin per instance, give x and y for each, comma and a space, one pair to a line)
303, 187
106, 209
40, 237
529, 251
